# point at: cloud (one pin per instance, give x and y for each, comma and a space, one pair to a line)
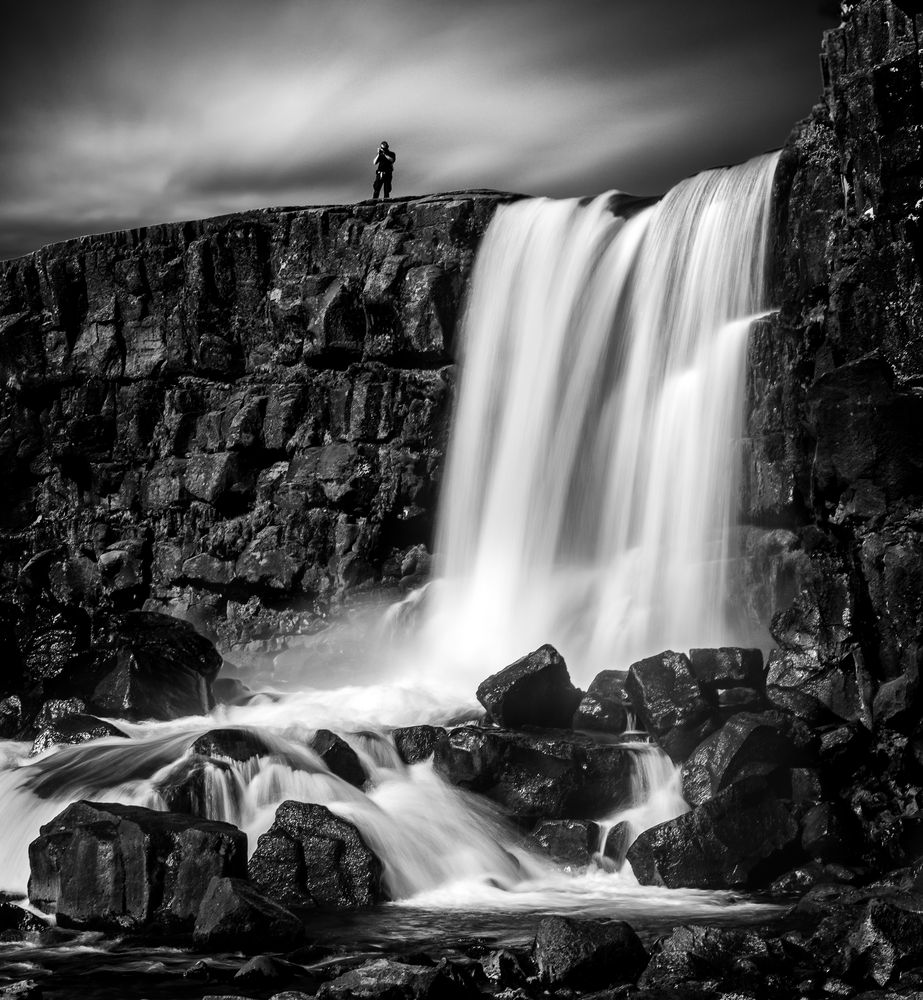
126, 112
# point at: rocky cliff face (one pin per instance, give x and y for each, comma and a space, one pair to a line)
237, 421
835, 488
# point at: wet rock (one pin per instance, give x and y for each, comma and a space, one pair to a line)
609, 685
53, 641
339, 756
819, 691
537, 776
16, 923
744, 746
586, 954
842, 750
234, 744
697, 954
26, 989
806, 876
618, 840
601, 716
109, 866
388, 979
505, 968
830, 831
536, 690
185, 787
887, 937
310, 857
230, 691
669, 703
11, 717
233, 916
568, 841
806, 784
731, 701
714, 846
73, 729
416, 743
727, 667
265, 969
56, 709
151, 666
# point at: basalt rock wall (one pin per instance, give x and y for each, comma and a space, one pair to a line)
834, 492
237, 421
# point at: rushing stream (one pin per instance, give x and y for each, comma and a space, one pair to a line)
589, 503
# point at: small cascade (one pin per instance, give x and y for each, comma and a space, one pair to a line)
656, 797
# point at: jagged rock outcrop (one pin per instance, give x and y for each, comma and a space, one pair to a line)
834, 484
236, 420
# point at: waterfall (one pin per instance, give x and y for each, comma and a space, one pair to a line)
589, 502
594, 461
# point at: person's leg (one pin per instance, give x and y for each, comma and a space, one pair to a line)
376, 187
387, 185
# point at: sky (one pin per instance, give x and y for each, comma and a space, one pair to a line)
119, 113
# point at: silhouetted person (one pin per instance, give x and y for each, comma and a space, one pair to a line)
384, 168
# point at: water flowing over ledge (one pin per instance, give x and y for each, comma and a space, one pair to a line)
590, 497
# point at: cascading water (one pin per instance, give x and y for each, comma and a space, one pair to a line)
589, 503
593, 466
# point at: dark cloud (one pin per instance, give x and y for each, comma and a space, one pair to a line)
128, 112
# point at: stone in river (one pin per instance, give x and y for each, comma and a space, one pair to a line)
235, 916
311, 857
109, 866
536, 690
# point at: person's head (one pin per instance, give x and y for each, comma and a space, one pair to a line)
383, 145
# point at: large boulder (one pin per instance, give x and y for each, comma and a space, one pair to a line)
818, 690
745, 745
587, 954
73, 729
235, 916
141, 665
537, 776
536, 690
743, 837
311, 857
109, 866
152, 666
669, 702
